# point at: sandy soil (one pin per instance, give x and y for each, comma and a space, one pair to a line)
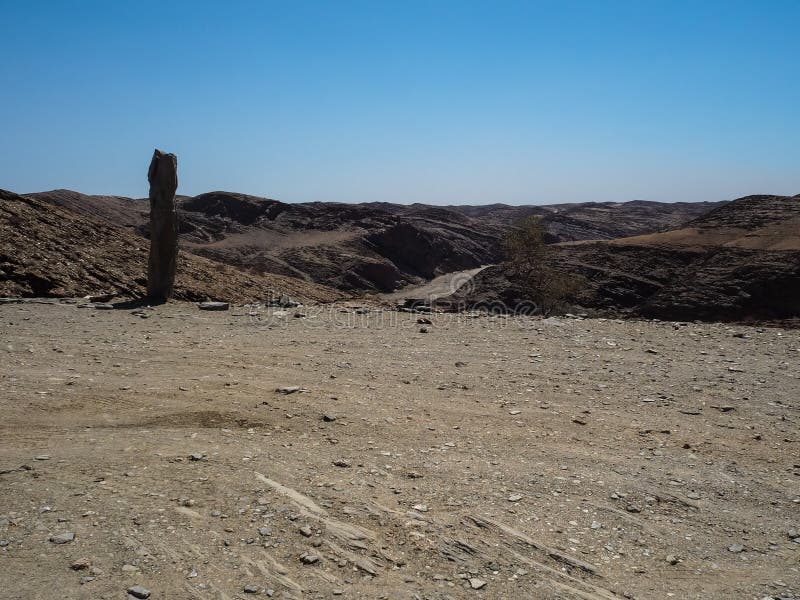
525, 458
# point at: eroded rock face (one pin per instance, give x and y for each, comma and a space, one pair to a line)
163, 178
740, 262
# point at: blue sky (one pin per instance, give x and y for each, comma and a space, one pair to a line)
405, 101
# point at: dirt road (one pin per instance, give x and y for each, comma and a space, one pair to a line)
436, 288
488, 458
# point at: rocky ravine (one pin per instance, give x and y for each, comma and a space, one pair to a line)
251, 454
740, 261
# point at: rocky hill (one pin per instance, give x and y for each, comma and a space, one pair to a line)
373, 246
47, 250
739, 261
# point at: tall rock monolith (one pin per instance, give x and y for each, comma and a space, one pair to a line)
163, 178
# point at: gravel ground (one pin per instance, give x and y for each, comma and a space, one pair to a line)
487, 458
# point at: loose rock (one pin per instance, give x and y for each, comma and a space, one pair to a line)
289, 389
214, 306
63, 538
476, 583
139, 591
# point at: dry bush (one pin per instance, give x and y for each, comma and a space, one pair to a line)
531, 268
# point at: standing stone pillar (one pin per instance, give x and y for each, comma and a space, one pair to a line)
163, 178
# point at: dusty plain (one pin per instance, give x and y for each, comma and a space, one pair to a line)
490, 457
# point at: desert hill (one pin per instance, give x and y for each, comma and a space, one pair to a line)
373, 246
47, 250
739, 261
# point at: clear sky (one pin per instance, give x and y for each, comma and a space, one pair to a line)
405, 101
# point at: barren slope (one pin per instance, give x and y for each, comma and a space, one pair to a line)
49, 251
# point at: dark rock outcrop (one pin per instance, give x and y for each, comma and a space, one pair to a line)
741, 261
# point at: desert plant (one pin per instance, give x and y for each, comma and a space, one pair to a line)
531, 268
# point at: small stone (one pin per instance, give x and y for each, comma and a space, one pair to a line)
264, 531
42, 457
130, 569
476, 583
328, 417
672, 559
63, 538
251, 589
420, 508
86, 579
515, 497
735, 548
423, 330
80, 564
214, 306
595, 525
197, 456
139, 591
305, 530
340, 462
632, 508
309, 558
289, 389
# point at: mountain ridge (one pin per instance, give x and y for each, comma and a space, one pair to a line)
370, 247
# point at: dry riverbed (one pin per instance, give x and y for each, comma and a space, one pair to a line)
346, 454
